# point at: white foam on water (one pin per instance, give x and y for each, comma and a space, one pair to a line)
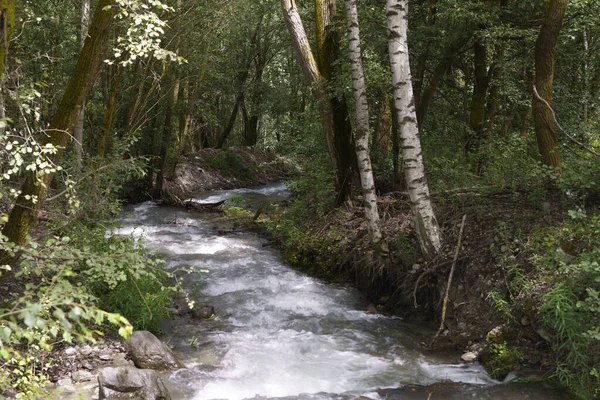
281, 333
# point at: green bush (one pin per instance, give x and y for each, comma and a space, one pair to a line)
572, 306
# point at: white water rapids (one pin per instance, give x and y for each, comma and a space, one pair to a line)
279, 333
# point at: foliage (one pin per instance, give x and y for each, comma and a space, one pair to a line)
502, 359
571, 308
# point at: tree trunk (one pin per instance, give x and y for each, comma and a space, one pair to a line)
167, 136
328, 52
78, 129
333, 114
480, 89
82, 79
110, 111
545, 46
231, 123
7, 21
362, 123
398, 182
423, 217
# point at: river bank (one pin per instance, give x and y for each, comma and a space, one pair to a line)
334, 247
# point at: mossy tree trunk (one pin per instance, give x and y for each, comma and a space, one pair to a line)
78, 129
333, 110
59, 132
7, 24
110, 109
545, 47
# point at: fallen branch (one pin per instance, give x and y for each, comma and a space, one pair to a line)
572, 139
445, 304
201, 207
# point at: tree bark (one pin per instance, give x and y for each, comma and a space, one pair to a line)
424, 220
82, 79
167, 136
545, 47
231, 122
480, 89
78, 129
110, 111
362, 123
7, 24
328, 52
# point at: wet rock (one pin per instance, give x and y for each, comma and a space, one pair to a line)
131, 383
469, 357
203, 311
149, 352
82, 376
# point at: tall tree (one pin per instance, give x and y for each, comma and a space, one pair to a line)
34, 189
362, 123
78, 129
424, 220
7, 24
333, 112
545, 47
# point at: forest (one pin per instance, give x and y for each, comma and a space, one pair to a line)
443, 157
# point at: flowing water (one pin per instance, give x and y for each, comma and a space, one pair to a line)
281, 334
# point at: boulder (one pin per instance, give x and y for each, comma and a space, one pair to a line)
469, 357
148, 352
118, 383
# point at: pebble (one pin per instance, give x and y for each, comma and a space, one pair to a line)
70, 351
469, 357
105, 357
86, 350
88, 366
82, 376
64, 382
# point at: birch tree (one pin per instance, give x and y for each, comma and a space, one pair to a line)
423, 217
362, 123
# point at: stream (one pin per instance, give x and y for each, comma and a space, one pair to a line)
281, 334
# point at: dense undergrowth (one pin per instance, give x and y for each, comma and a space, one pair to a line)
76, 282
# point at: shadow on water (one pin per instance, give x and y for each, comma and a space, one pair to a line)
281, 334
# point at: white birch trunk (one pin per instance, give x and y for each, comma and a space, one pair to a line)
424, 221
78, 128
362, 123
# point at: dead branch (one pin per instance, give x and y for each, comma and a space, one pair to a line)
572, 139
445, 304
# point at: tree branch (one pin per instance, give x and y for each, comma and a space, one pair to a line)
572, 139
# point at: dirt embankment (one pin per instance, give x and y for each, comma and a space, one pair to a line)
212, 169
